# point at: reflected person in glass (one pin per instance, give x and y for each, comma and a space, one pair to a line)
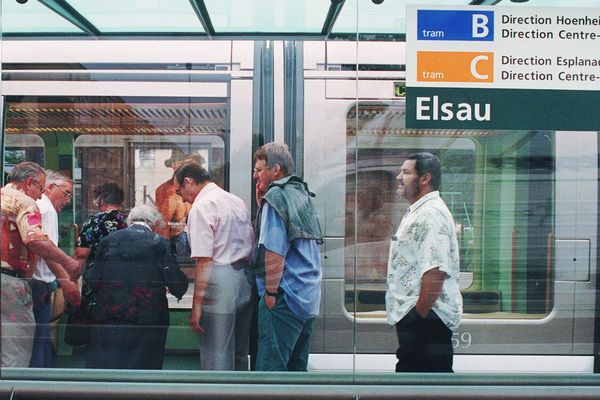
172, 208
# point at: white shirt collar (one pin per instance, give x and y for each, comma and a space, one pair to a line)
45, 202
429, 196
141, 223
209, 187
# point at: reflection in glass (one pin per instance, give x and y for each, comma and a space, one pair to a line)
498, 187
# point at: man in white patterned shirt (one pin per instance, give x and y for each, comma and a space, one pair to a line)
423, 299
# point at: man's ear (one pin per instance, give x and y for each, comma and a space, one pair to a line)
30, 181
425, 179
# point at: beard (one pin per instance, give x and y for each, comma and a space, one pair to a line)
409, 191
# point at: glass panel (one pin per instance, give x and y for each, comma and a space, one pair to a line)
514, 181
386, 17
113, 16
33, 17
499, 189
236, 16
372, 193
134, 143
524, 203
268, 16
20, 148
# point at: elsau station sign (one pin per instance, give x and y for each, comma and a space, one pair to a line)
503, 68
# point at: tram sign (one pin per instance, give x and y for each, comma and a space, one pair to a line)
503, 68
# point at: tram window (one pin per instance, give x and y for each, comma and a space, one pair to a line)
132, 142
20, 148
498, 186
142, 163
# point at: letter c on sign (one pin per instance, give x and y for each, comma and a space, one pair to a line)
474, 63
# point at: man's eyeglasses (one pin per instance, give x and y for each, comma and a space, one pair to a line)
39, 185
259, 170
68, 195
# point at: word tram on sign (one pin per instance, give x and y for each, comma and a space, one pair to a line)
454, 66
455, 25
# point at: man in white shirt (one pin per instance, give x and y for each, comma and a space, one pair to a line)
221, 239
423, 299
49, 275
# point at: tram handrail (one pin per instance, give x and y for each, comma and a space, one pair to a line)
549, 274
114, 384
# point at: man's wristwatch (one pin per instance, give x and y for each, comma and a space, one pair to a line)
272, 294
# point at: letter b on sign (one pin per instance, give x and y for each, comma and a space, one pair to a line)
480, 26
466, 25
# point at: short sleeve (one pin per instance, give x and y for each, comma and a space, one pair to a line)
433, 246
27, 217
30, 225
273, 235
201, 223
83, 239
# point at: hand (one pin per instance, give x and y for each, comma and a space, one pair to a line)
74, 269
71, 292
421, 311
194, 320
270, 301
259, 195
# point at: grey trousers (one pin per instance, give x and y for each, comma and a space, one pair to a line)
226, 318
18, 323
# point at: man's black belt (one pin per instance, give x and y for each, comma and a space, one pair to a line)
11, 272
239, 264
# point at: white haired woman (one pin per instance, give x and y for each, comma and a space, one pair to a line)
132, 269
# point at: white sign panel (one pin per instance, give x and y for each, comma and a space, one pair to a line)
503, 47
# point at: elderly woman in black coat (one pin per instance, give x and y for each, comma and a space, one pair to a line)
132, 269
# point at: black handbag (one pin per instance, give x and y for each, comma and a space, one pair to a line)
79, 319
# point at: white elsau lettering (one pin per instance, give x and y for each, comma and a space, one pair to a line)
430, 109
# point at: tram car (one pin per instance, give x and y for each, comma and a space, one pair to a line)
525, 202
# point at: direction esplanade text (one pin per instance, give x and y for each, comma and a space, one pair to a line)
568, 62
577, 62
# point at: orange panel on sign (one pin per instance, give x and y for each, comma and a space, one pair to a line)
454, 66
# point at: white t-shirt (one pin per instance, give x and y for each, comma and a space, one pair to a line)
426, 239
219, 226
50, 227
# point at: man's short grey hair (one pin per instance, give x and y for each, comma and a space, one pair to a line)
147, 214
276, 153
56, 178
25, 170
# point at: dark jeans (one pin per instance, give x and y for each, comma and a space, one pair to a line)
41, 354
283, 338
425, 344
